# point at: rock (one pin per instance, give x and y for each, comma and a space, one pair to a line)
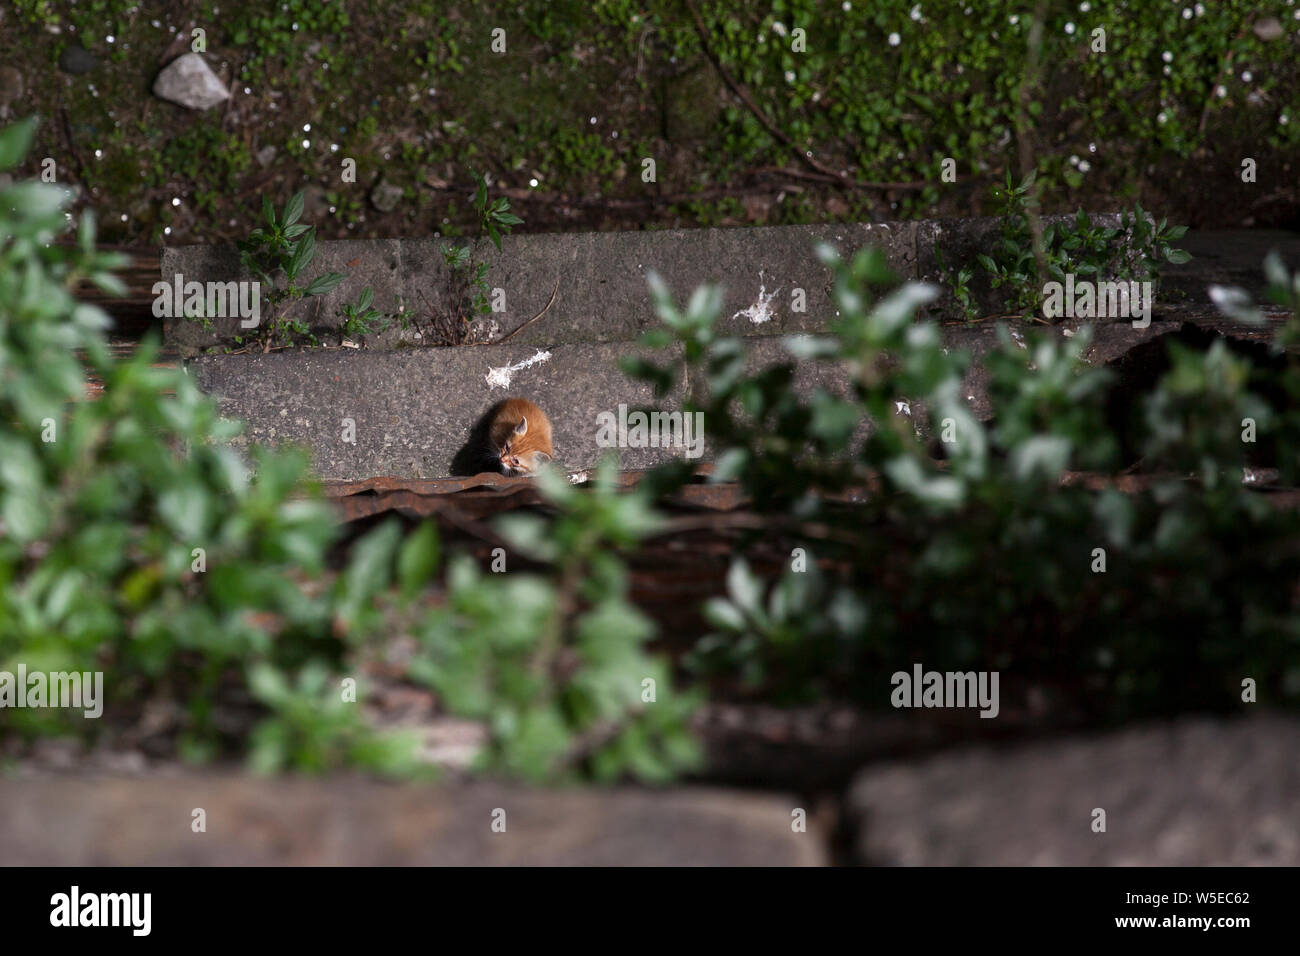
385, 196
315, 203
1194, 792
1269, 28
11, 85
265, 155
692, 104
189, 81
75, 58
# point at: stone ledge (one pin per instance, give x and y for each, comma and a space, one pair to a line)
353, 822
1194, 792
602, 294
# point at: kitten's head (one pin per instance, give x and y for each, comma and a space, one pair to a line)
521, 455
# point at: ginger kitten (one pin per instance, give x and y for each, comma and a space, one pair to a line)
520, 437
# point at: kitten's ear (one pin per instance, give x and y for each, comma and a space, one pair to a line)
522, 427
540, 458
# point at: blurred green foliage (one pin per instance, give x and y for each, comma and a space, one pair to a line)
135, 542
980, 558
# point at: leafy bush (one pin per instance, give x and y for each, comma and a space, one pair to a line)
983, 558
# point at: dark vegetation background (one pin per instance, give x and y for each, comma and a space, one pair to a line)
585, 90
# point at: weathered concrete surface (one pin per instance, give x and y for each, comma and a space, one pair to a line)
1196, 792
602, 296
374, 262
83, 821
414, 409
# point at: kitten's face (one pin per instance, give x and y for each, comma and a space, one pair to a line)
518, 456
515, 463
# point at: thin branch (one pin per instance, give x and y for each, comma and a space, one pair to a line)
743, 94
536, 317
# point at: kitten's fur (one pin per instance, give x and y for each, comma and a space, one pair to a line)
520, 437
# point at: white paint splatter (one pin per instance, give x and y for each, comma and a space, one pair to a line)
578, 477
501, 377
761, 310
902, 408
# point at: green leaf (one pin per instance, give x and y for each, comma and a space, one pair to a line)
15, 141
745, 588
721, 613
323, 284
293, 209
418, 559
303, 253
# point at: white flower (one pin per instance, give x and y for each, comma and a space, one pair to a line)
895, 39
1167, 57
1069, 28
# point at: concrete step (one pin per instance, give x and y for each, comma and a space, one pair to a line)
346, 821
771, 276
412, 411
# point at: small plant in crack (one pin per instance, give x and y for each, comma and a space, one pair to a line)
283, 247
1133, 250
467, 291
361, 318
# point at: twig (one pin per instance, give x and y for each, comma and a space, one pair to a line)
743, 94
534, 318
1223, 68
1030, 80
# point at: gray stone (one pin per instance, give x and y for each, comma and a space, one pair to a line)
1268, 28
1195, 792
189, 81
265, 155
76, 59
385, 196
115, 821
